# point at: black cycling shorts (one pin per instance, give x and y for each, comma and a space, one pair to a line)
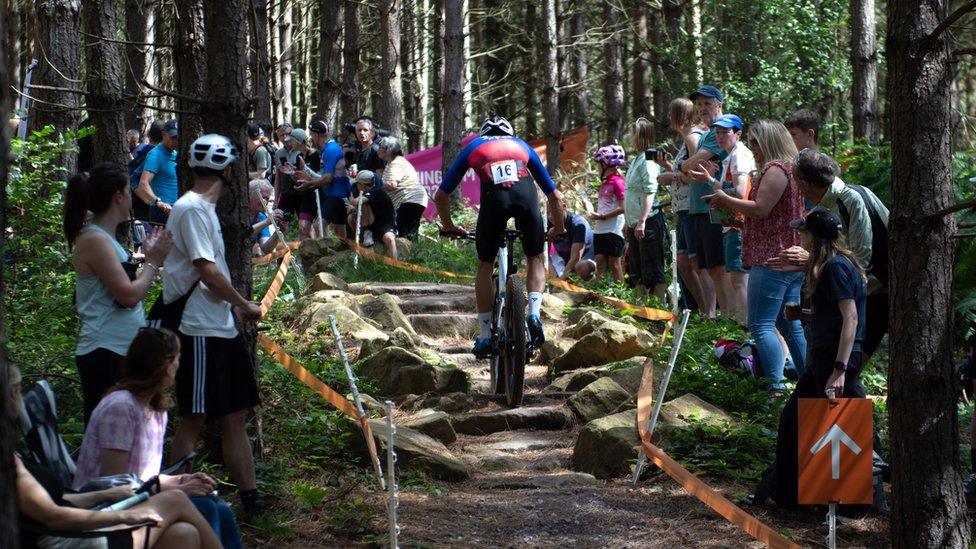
498, 205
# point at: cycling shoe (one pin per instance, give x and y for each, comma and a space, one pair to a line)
482, 348
536, 336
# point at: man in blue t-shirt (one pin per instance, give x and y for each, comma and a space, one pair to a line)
158, 185
332, 176
573, 249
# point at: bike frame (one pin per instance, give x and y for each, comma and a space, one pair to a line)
504, 265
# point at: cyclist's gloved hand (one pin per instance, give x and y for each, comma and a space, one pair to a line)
453, 230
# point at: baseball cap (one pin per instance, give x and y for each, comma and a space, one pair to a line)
728, 121
366, 177
254, 131
820, 222
171, 128
299, 134
318, 127
708, 91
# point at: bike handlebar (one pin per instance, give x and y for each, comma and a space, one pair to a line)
456, 235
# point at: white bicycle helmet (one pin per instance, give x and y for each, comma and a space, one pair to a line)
497, 125
212, 151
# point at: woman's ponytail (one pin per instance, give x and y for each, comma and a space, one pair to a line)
75, 206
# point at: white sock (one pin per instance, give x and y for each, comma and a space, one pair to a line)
484, 324
535, 303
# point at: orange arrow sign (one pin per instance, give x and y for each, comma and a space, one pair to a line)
842, 474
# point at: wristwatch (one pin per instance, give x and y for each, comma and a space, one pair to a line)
838, 365
155, 202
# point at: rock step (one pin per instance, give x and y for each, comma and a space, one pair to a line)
437, 303
445, 325
557, 480
408, 288
546, 418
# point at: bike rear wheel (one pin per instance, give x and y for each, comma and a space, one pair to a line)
495, 363
516, 340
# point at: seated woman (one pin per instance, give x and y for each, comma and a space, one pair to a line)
42, 501
125, 434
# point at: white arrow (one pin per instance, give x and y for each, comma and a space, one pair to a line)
835, 436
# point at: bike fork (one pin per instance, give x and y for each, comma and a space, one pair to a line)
502, 279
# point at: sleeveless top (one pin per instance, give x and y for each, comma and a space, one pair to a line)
104, 324
766, 238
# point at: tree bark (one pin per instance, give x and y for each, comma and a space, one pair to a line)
351, 98
8, 437
864, 61
56, 36
497, 40
285, 61
613, 89
581, 102
190, 58
693, 26
411, 60
671, 12
564, 60
437, 31
260, 63
640, 96
136, 31
330, 63
104, 81
530, 69
929, 507
660, 97
453, 125
548, 58
392, 118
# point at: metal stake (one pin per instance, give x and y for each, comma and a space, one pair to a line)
318, 206
674, 289
678, 338
355, 393
391, 459
359, 219
832, 526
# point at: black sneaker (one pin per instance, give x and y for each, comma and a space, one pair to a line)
255, 511
536, 335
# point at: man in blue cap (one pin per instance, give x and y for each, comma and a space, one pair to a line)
158, 186
706, 239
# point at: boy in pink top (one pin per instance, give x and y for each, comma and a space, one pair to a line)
608, 221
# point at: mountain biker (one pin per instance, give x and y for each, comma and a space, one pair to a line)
506, 167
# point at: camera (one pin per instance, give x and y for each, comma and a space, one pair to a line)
650, 155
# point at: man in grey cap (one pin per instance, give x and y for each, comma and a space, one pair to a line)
378, 216
159, 186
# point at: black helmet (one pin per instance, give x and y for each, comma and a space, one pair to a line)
497, 125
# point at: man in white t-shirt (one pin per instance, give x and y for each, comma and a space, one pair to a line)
216, 377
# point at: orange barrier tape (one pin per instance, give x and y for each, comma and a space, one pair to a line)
648, 313
402, 264
692, 484
269, 257
276, 284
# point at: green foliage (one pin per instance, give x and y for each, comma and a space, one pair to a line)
417, 481
308, 494
740, 451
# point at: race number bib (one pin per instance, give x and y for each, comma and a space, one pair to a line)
504, 172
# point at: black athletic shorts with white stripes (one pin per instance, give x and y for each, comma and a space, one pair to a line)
216, 376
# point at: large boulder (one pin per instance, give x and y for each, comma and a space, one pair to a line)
313, 249
397, 371
552, 307
578, 313
327, 263
398, 338
574, 298
610, 342
462, 325
327, 281
549, 418
349, 322
432, 423
450, 402
587, 323
403, 247
597, 399
554, 347
574, 380
679, 411
414, 450
606, 446
384, 309
629, 377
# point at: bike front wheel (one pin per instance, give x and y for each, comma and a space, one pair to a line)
516, 336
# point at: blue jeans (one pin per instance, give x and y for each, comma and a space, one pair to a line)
220, 517
767, 292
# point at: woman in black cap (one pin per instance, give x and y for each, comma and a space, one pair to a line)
837, 286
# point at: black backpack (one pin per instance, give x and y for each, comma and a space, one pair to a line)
740, 358
269, 173
879, 235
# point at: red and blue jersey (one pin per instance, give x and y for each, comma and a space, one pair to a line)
498, 160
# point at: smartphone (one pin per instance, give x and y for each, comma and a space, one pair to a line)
650, 155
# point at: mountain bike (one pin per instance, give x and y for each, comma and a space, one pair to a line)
510, 347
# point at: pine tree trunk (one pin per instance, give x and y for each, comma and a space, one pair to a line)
613, 89
285, 62
674, 84
660, 98
475, 44
864, 61
225, 111
547, 56
136, 30
929, 507
392, 119
8, 434
351, 98
496, 73
330, 63
437, 39
453, 108
274, 74
581, 102
104, 63
563, 60
190, 58
640, 96
56, 35
530, 69
693, 28
260, 63
411, 59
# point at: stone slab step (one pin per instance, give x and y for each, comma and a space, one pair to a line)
437, 303
445, 325
547, 418
408, 288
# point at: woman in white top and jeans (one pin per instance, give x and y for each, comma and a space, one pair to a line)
402, 182
107, 297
